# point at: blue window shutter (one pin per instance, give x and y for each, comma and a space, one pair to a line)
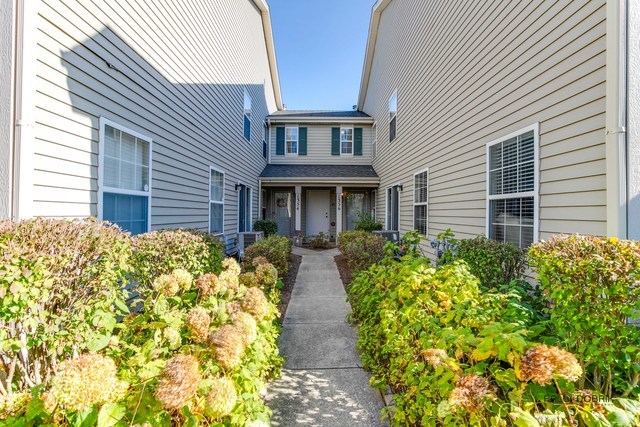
302, 141
357, 142
280, 141
335, 141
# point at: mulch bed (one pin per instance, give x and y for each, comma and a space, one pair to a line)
344, 270
288, 280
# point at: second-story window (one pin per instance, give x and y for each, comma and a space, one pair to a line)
247, 116
393, 115
291, 140
346, 140
374, 141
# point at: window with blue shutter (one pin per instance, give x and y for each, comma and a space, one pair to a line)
125, 177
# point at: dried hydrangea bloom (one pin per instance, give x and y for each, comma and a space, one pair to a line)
198, 322
13, 403
228, 346
542, 363
229, 280
247, 325
173, 337
435, 357
86, 381
470, 393
180, 381
267, 274
184, 278
233, 307
208, 284
166, 284
255, 303
249, 279
259, 260
221, 399
231, 265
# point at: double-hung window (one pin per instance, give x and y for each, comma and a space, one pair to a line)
216, 202
512, 200
245, 198
247, 116
291, 140
124, 178
393, 115
420, 199
346, 140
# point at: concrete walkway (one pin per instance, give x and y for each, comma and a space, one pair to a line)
323, 383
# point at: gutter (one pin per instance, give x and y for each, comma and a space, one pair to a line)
616, 119
319, 180
271, 50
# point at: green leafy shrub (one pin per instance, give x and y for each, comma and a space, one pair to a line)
198, 352
60, 287
269, 226
367, 222
276, 249
592, 284
455, 355
494, 263
361, 249
162, 251
319, 241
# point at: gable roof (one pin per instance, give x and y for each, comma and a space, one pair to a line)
376, 11
271, 50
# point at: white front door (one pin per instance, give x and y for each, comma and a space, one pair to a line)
318, 204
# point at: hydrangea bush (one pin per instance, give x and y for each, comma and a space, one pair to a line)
197, 350
456, 355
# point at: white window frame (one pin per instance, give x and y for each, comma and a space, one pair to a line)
297, 140
101, 186
224, 177
246, 113
425, 203
374, 141
352, 140
535, 193
249, 208
387, 201
393, 114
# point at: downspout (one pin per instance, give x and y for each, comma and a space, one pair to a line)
24, 107
616, 119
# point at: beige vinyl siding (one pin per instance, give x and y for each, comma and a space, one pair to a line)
176, 73
474, 72
319, 146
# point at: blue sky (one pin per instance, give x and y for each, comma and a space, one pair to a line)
320, 50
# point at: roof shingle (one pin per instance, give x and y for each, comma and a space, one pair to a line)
318, 171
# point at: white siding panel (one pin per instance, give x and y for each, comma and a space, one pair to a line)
478, 70
174, 71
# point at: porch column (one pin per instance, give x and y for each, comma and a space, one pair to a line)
298, 202
338, 211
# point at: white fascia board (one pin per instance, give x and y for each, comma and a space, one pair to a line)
271, 50
376, 11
